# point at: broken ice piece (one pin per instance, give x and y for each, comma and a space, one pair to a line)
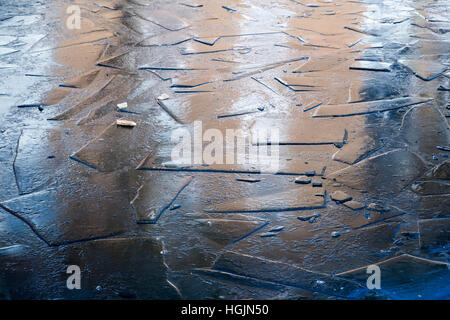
354, 205
340, 197
33, 105
376, 207
249, 180
309, 218
192, 5
360, 31
277, 229
122, 105
371, 66
267, 234
163, 97
425, 70
302, 180
335, 234
443, 148
125, 123
313, 220
229, 9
